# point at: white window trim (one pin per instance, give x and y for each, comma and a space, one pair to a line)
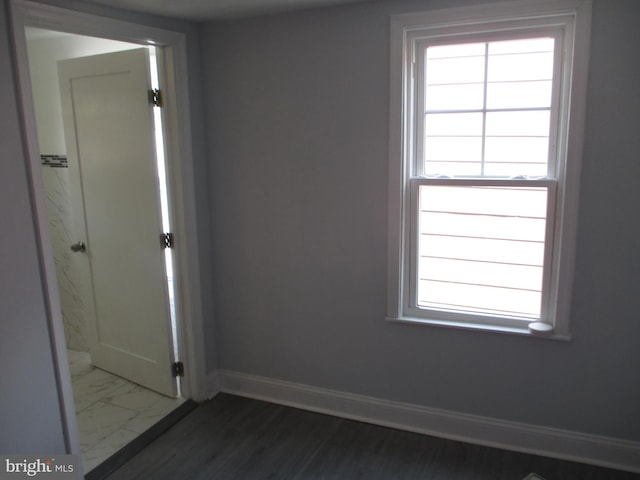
403, 27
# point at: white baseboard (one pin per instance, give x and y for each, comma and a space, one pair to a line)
521, 437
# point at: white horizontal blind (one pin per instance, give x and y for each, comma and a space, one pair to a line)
487, 114
481, 249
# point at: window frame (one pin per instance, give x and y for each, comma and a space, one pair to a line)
569, 21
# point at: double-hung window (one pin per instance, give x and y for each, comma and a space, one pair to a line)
487, 107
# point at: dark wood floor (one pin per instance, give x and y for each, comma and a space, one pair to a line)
232, 437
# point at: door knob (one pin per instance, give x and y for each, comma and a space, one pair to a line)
79, 247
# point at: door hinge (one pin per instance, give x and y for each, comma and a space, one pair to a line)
177, 369
166, 240
155, 97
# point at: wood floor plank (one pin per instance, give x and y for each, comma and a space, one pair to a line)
359, 450
197, 442
279, 448
232, 437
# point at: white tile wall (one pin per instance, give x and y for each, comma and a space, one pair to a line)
59, 209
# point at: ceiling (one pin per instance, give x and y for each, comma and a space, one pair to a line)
203, 10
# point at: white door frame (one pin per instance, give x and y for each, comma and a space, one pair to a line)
180, 176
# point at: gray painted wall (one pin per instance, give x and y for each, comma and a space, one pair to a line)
30, 418
297, 112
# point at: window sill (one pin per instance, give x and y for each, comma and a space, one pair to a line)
526, 332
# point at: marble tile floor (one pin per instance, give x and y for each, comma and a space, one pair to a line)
111, 411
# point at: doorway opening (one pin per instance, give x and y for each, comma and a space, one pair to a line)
111, 405
180, 163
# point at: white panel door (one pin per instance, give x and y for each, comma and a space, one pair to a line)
110, 147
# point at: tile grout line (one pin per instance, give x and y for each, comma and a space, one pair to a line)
106, 397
